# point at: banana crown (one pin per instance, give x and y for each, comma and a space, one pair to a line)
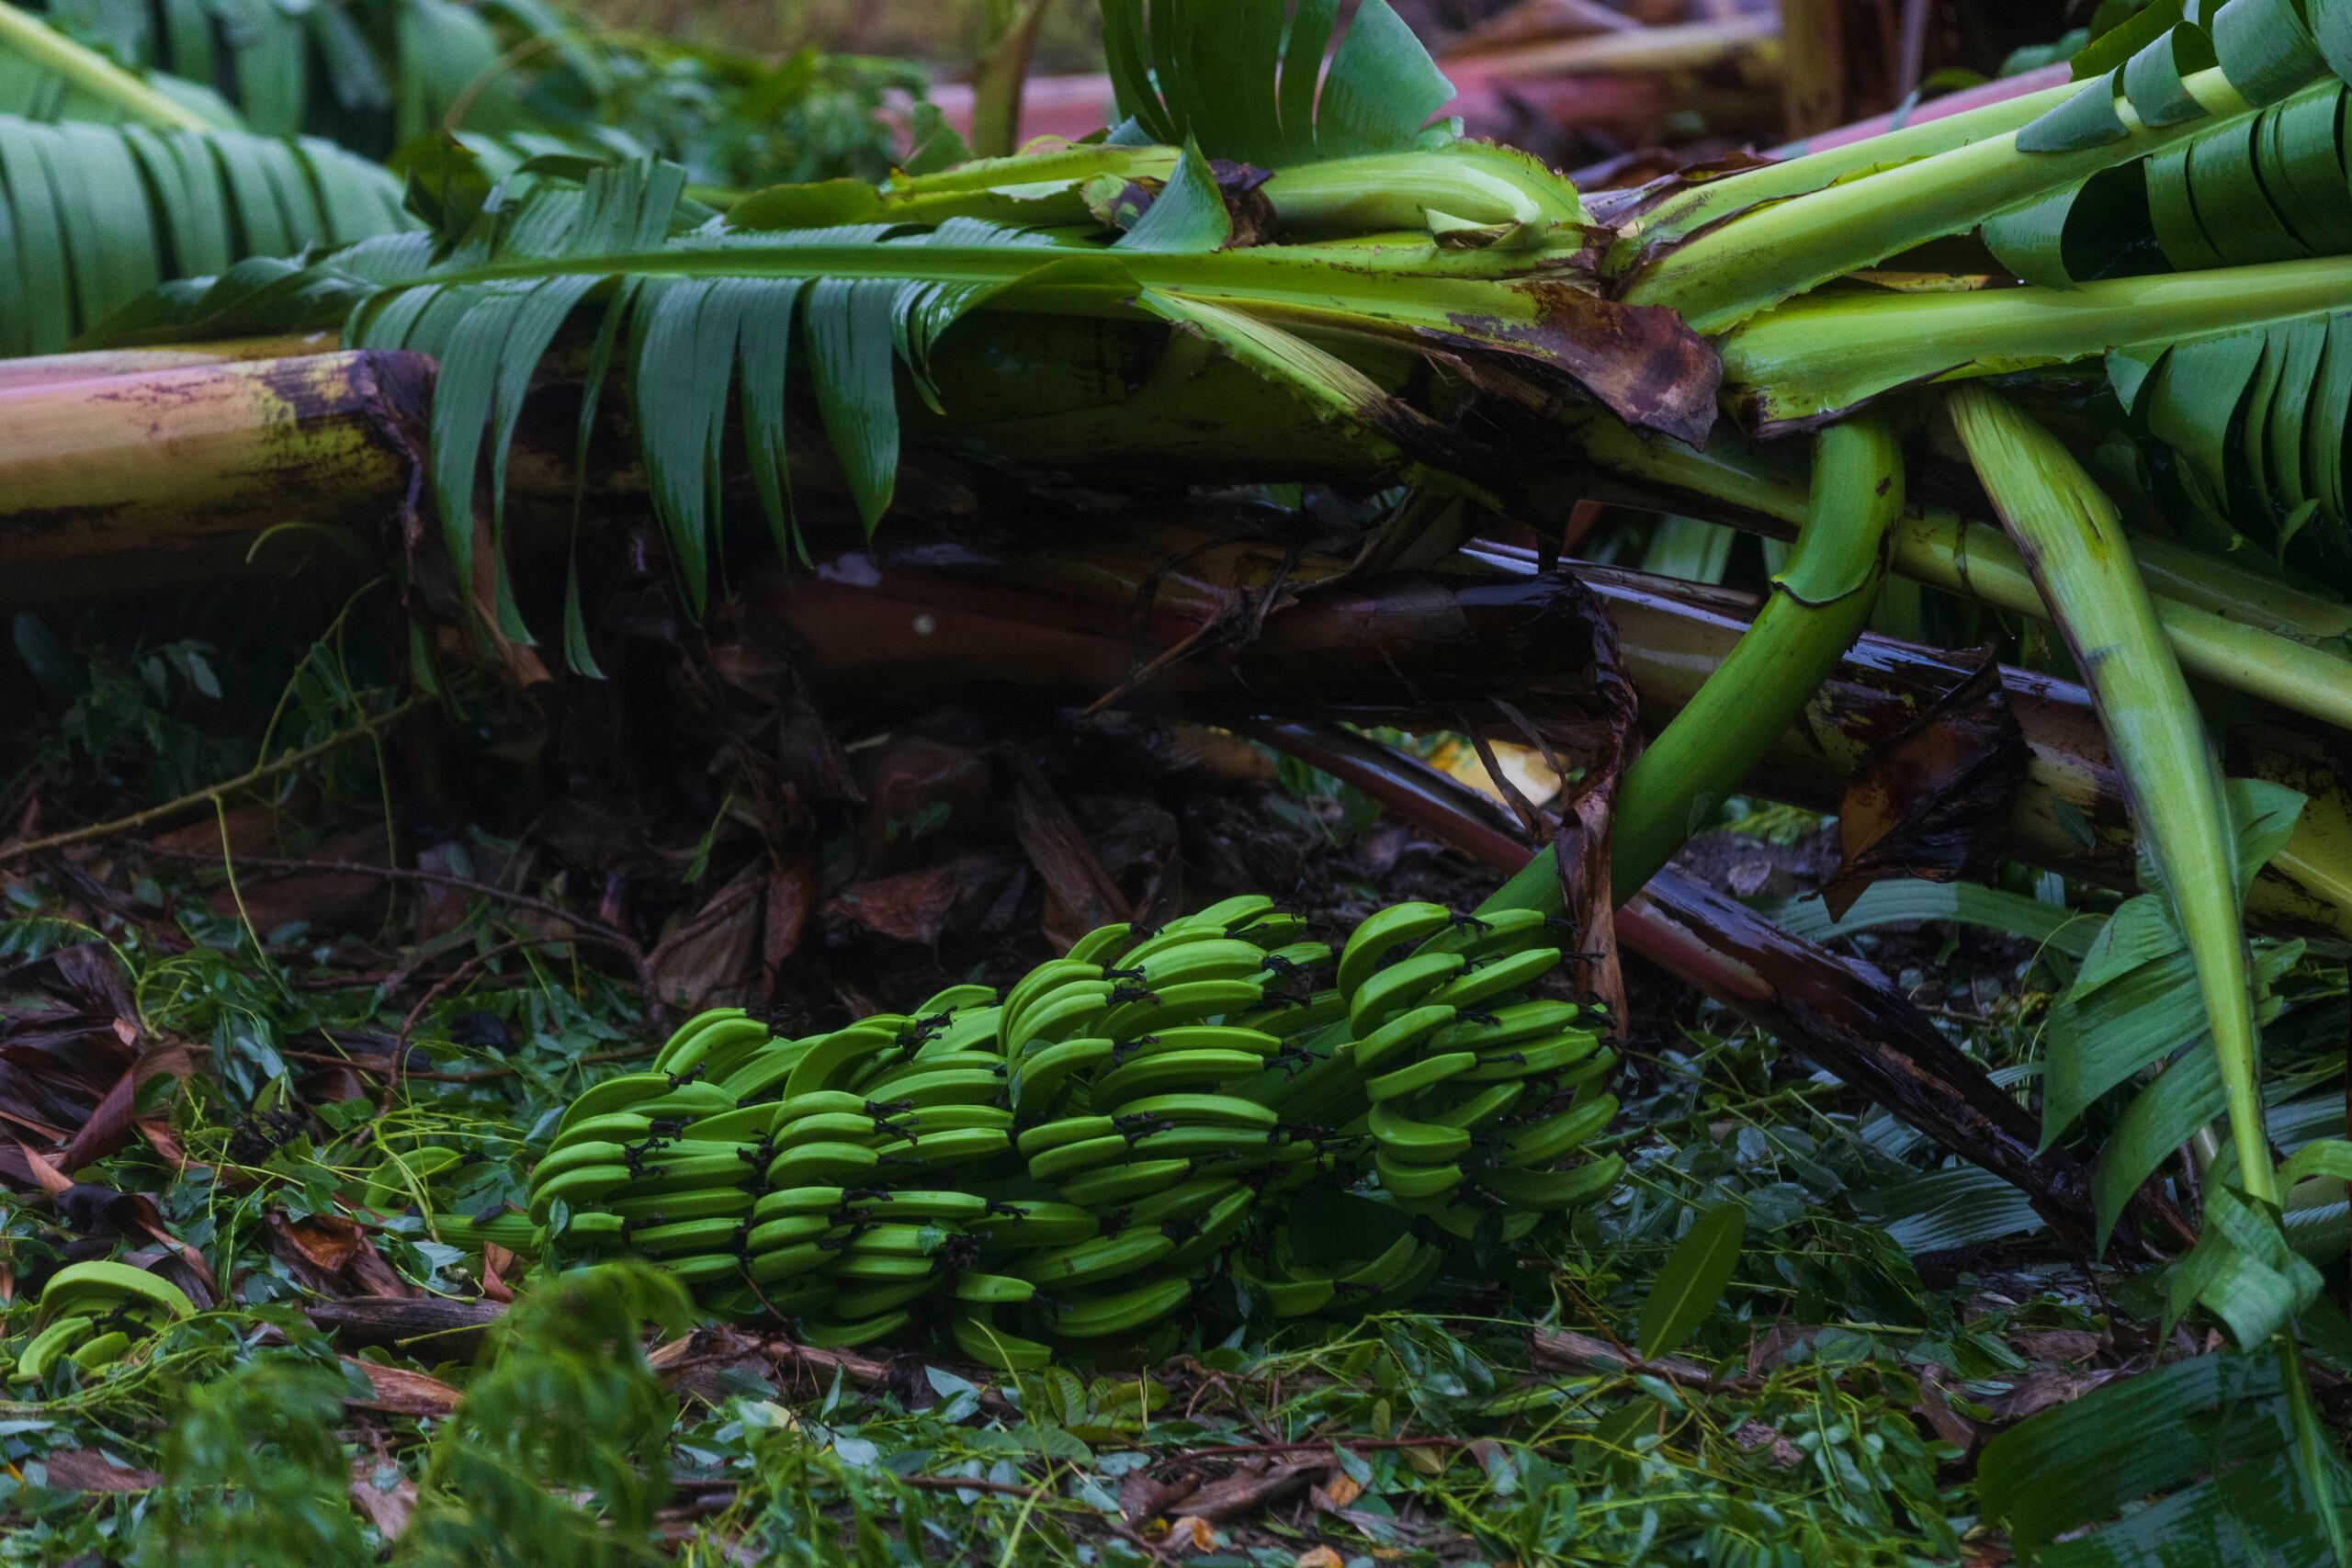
1075, 1157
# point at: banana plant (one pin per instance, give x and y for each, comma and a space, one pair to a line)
1416, 307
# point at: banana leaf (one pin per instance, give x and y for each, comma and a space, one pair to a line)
95, 216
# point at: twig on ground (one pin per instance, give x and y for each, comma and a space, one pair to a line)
213, 793
617, 938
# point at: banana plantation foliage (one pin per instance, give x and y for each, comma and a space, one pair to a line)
746, 823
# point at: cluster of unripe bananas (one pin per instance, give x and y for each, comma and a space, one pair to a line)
91, 1314
1074, 1156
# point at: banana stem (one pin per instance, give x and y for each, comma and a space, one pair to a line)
1818, 606
1942, 550
1724, 275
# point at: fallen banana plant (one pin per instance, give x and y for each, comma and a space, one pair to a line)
1275, 271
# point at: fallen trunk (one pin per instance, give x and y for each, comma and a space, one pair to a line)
1085, 615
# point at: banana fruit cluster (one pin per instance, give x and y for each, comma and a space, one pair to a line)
92, 1314
1074, 1157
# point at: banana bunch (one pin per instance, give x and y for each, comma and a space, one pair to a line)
1073, 1157
90, 1313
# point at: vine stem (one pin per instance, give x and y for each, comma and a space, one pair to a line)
214, 793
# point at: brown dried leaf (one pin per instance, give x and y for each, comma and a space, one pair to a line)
715, 952
398, 1392
2037, 1391
45, 1173
1934, 1407
495, 1261
1192, 1533
107, 1129
915, 786
2065, 1347
326, 1242
388, 1509
792, 894
920, 906
87, 1470
1143, 1495
1778, 1453
1080, 893
272, 899
1932, 799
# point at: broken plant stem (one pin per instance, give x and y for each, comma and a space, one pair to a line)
1818, 605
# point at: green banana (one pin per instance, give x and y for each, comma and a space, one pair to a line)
1121, 1311
1240, 912
1547, 1140
100, 1280
811, 1200
1172, 1006
1381, 934
1053, 1135
34, 1361
1224, 958
992, 1290
850, 1336
958, 998
718, 1049
763, 1072
1065, 1159
1121, 1183
975, 1334
103, 1351
1202, 1108
686, 1036
1428, 1143
1403, 985
1064, 1014
1498, 977
958, 1146
711, 1202
1096, 1260
830, 1061
1293, 1018
1414, 1179
1401, 1032
1476, 1110
1482, 936
820, 1162
1555, 1188
1034, 1222
1046, 978
1040, 1075
1167, 1071
1509, 1025
1099, 944
1419, 1076
682, 1237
